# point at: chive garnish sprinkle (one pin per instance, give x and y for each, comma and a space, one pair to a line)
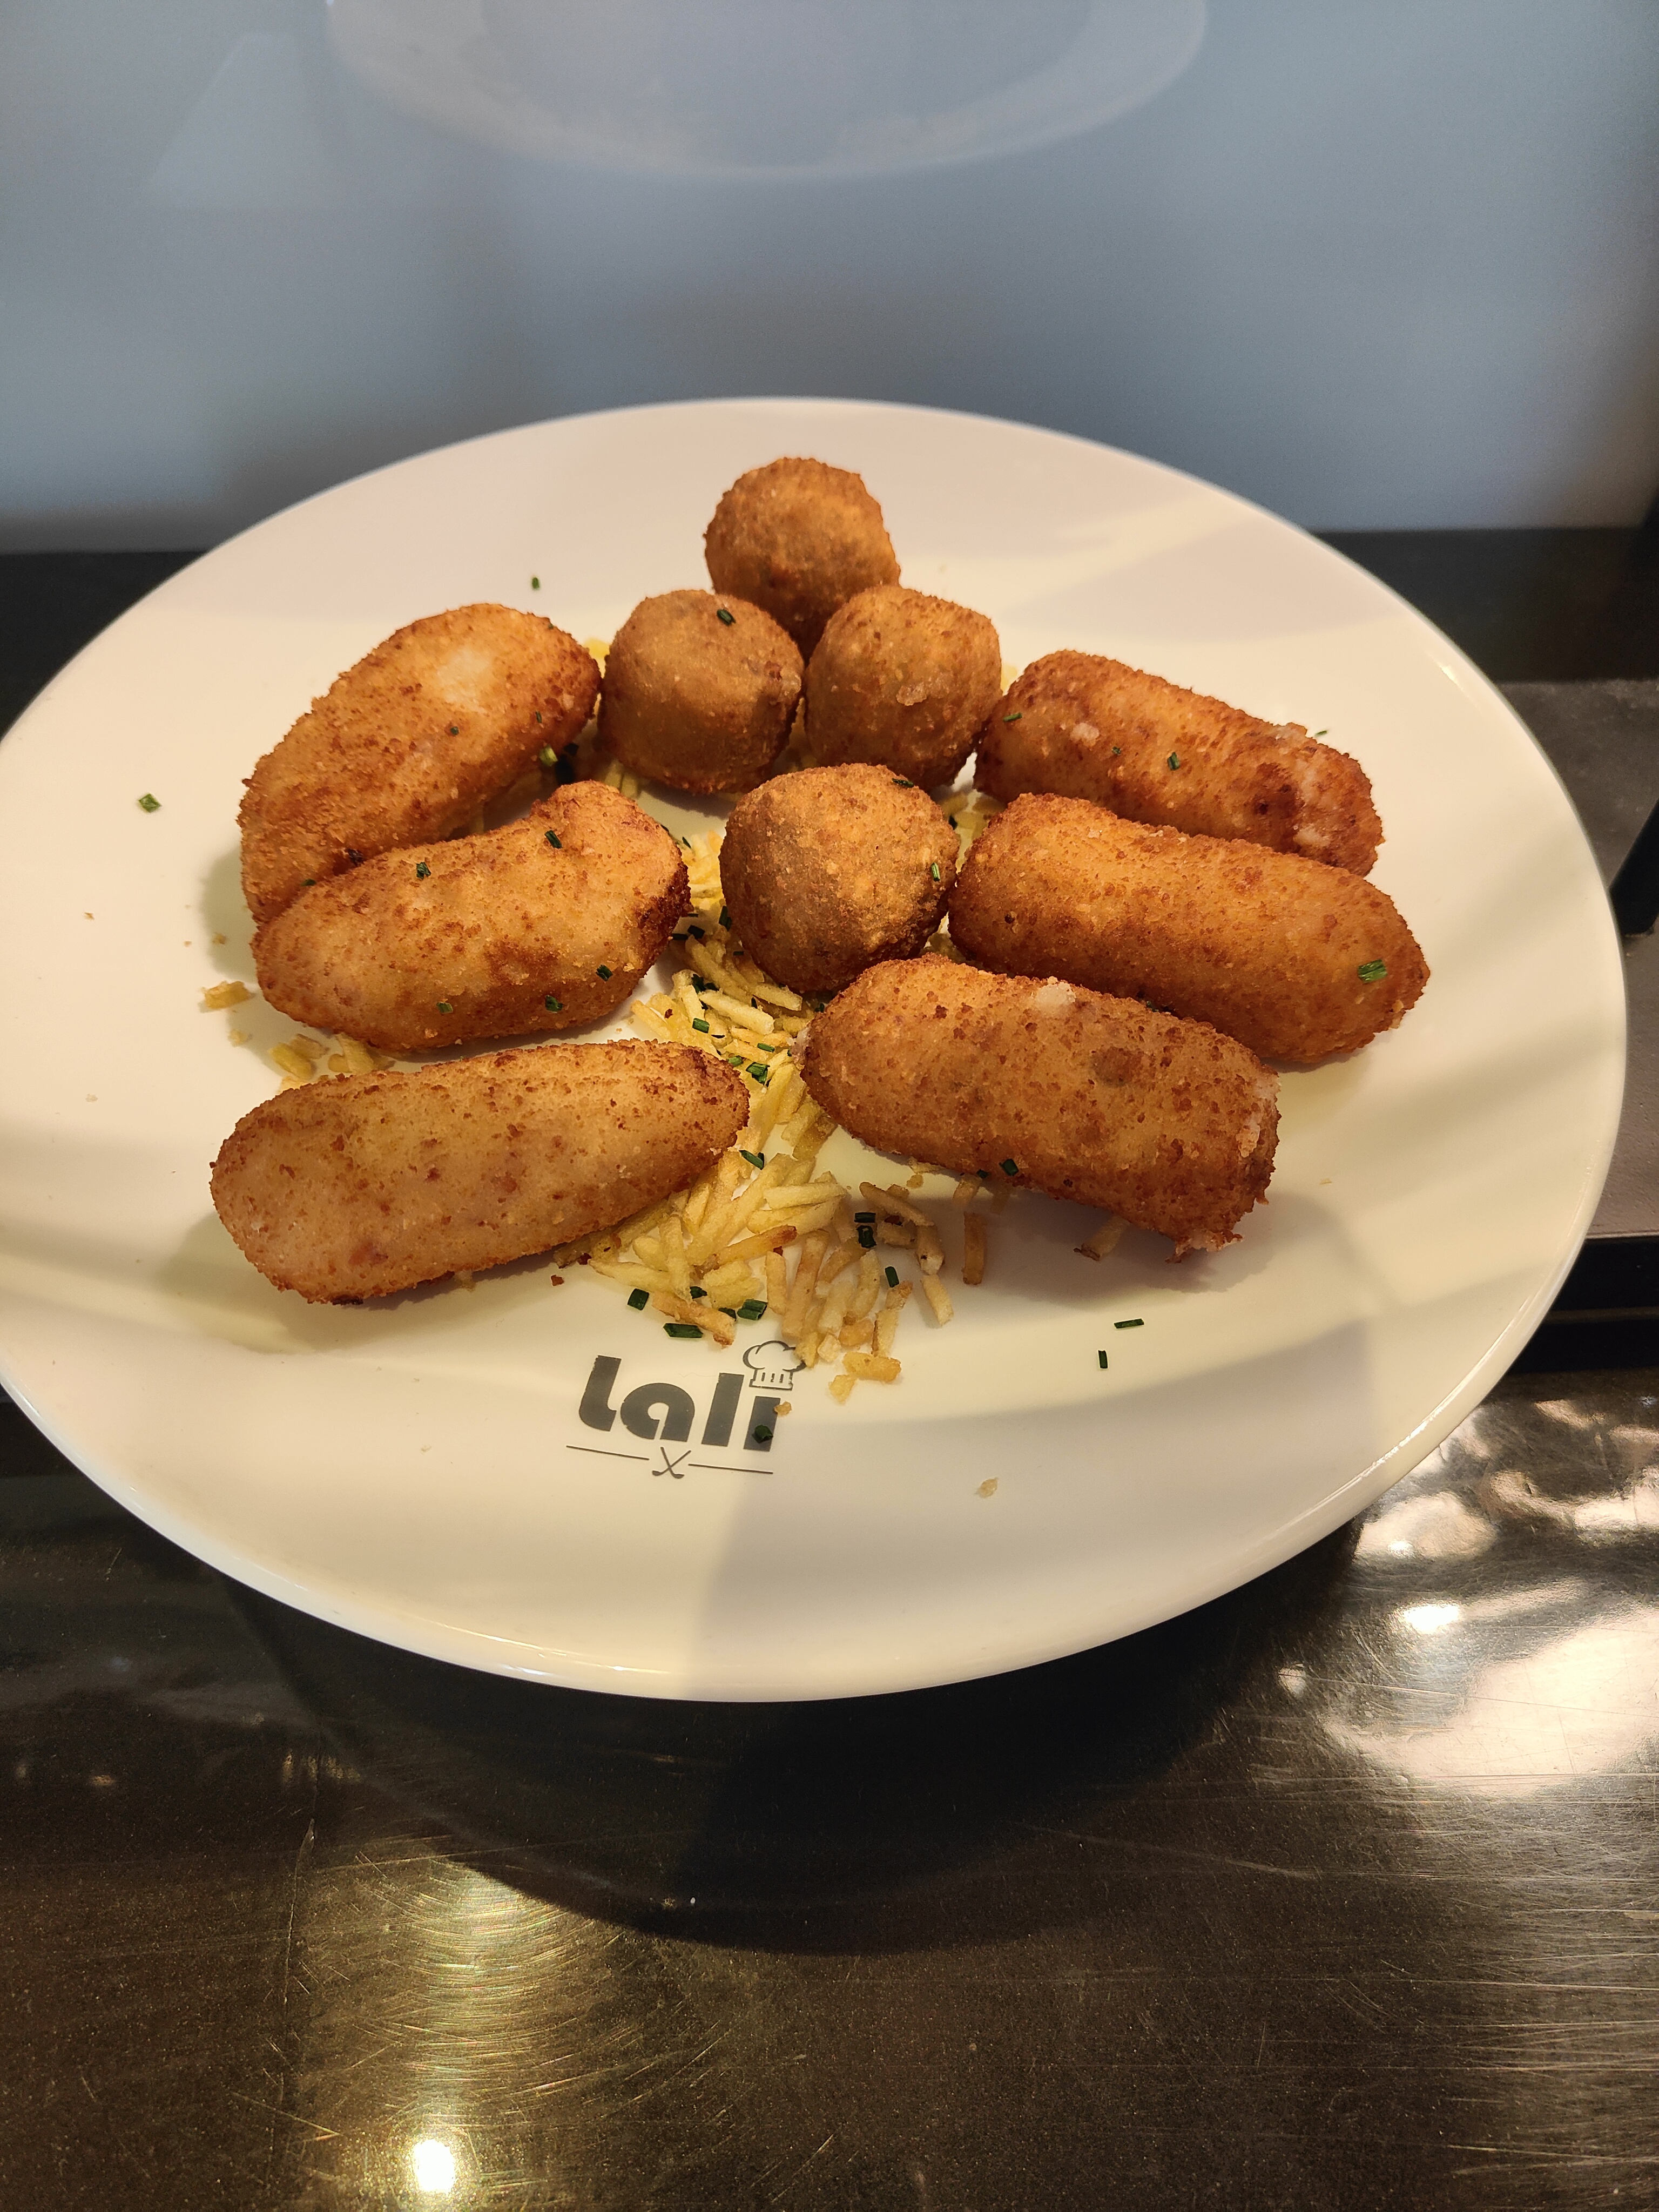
726, 919
937, 877
445, 1007
892, 1278
904, 783
1014, 717
639, 1300
1175, 760
762, 1436
1372, 971
752, 1309
547, 756
755, 1160
681, 1329
553, 839
703, 1026
454, 729
759, 1070
867, 1238
1128, 1324
150, 803
1101, 1357
535, 583
698, 1291
864, 1216
554, 1006
725, 615
422, 870
604, 974
1009, 1168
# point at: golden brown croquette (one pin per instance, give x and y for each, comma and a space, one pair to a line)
372, 1183
831, 869
700, 690
902, 679
1168, 1123
409, 744
1089, 727
798, 538
1294, 958
544, 924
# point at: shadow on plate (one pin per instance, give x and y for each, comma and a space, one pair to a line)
875, 1824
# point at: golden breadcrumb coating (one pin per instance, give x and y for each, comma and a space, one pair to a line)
1294, 958
408, 743
1092, 728
542, 925
798, 538
372, 1183
827, 871
902, 678
699, 691
1167, 1123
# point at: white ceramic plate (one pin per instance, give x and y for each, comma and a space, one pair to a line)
418, 1470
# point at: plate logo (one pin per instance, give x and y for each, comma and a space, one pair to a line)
665, 1413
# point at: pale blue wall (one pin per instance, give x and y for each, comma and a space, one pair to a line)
1371, 262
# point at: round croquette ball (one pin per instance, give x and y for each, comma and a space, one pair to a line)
700, 690
902, 679
798, 538
828, 870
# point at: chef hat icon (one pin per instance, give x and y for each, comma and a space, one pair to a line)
773, 1366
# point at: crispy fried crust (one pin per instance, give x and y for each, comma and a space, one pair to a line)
408, 743
1166, 1122
904, 679
693, 700
492, 927
1279, 951
372, 1183
831, 869
798, 538
1092, 728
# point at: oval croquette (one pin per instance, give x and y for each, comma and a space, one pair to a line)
372, 1183
1294, 958
542, 925
1165, 1122
408, 743
1088, 727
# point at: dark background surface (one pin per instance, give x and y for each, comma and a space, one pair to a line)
1343, 1890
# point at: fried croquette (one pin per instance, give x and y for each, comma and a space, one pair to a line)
372, 1183
1168, 1123
830, 869
904, 679
1294, 958
798, 538
408, 743
699, 691
1088, 727
542, 924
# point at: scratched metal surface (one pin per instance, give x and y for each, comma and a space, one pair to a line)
1344, 1891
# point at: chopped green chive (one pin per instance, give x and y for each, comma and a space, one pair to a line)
703, 1026
1128, 1324
150, 803
1175, 760
755, 1160
937, 877
984, 1174
539, 713
759, 1070
639, 1300
693, 931
892, 1278
725, 615
904, 783
445, 1007
726, 919
951, 819
699, 983
310, 883
565, 772
554, 1006
864, 1216
1014, 717
732, 1059
422, 870
762, 1436
681, 1329
552, 836
535, 583
1101, 1357
752, 1309
603, 974
454, 729
1008, 1167
1321, 733
547, 756
1116, 750
698, 1291
1372, 971
867, 1238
